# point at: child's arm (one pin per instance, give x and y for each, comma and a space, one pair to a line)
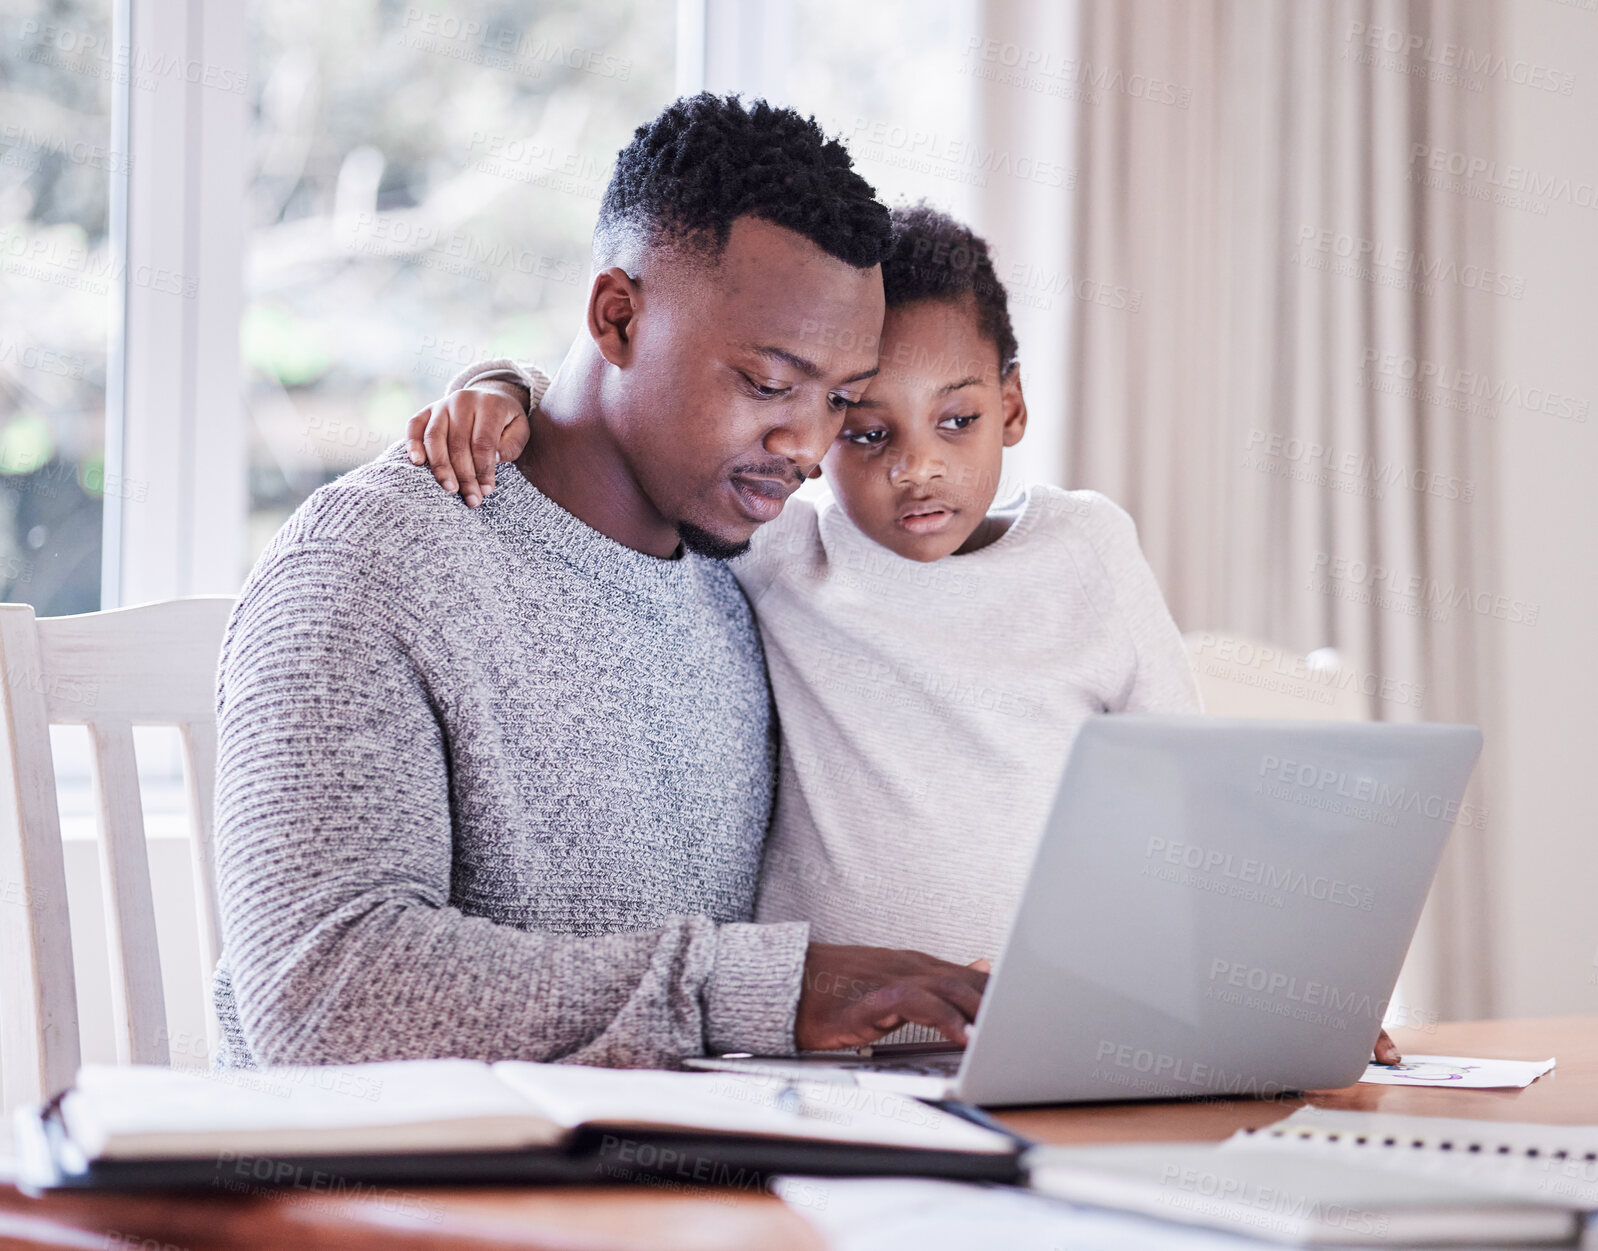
481, 421
1164, 681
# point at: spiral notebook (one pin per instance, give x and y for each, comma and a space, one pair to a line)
1543, 1163
1349, 1178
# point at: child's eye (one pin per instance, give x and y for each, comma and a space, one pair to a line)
958, 423
864, 438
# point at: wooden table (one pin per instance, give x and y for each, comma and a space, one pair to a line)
572, 1219
1567, 1096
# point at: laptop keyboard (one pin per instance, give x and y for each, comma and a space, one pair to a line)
946, 1065
922, 1062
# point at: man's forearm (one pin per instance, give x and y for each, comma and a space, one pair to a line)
408, 981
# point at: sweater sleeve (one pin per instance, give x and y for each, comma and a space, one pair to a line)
1163, 680
334, 841
530, 376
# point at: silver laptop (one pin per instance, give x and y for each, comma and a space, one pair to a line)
1216, 907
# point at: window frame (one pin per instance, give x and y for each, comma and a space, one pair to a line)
175, 499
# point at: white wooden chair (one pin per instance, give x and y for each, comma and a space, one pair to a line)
1240, 676
150, 665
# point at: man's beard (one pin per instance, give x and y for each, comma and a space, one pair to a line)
707, 544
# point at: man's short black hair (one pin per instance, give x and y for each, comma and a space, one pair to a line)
935, 257
708, 160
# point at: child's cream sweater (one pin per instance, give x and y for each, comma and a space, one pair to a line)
927, 710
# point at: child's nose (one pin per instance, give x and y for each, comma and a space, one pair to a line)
915, 470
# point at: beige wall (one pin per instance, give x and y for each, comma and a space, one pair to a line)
1548, 816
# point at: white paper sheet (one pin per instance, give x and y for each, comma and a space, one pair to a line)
1461, 1072
870, 1214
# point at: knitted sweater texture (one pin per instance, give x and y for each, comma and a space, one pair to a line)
491, 785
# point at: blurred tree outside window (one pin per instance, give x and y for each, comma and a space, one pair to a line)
58, 68
425, 180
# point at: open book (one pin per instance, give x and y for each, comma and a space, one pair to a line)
464, 1120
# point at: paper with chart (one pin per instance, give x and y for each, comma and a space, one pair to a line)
1460, 1072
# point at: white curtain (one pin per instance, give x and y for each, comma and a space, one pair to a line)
1283, 413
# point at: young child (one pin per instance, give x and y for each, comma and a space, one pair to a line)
932, 655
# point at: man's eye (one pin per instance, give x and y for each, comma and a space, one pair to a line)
864, 438
840, 403
958, 423
765, 390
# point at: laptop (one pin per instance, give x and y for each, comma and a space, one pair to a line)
1216, 908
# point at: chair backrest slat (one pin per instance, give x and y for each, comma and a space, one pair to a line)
138, 1000
199, 761
39, 1014
150, 665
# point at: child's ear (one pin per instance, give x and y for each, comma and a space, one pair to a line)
1014, 406
612, 306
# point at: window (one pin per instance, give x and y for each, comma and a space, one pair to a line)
59, 285
424, 183
419, 183
887, 89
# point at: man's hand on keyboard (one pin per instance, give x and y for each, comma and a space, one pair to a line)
856, 995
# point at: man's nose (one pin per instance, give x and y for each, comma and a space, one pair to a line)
804, 433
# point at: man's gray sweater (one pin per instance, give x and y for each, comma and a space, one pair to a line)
491, 785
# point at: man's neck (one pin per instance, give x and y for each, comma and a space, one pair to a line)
572, 457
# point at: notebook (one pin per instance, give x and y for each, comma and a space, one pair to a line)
1542, 1163
1293, 1196
453, 1120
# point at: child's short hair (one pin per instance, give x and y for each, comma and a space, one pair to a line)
935, 257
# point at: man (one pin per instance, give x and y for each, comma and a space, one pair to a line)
422, 851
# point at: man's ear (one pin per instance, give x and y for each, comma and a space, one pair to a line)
1014, 406
612, 305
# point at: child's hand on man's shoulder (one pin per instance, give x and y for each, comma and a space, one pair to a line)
463, 436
